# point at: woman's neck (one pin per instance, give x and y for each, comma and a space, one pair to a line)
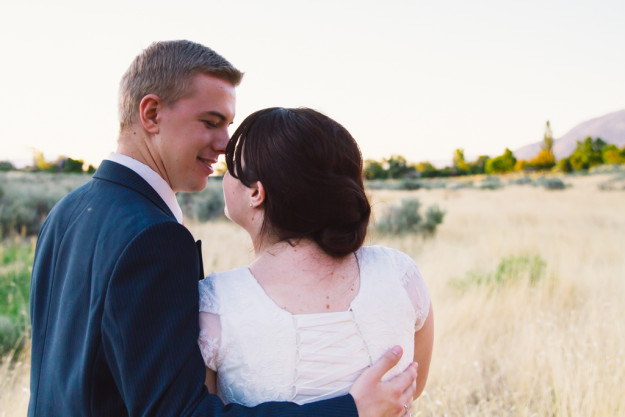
302, 278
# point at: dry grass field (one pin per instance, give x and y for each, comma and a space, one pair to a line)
552, 346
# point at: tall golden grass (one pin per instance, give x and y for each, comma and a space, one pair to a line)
553, 348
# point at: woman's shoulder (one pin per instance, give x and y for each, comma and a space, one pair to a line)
220, 285
388, 257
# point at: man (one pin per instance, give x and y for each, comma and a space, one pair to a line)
114, 296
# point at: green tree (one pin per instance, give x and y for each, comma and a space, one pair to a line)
40, 164
460, 166
564, 165
426, 169
611, 154
587, 154
6, 166
547, 144
501, 164
479, 165
72, 165
398, 166
374, 170
545, 159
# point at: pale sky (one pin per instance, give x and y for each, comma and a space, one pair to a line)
416, 78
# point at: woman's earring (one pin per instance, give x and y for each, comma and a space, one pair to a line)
251, 204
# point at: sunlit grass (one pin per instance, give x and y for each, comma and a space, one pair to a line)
550, 346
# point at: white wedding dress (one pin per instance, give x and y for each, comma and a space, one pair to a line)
262, 352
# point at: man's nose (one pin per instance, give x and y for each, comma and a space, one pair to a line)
221, 141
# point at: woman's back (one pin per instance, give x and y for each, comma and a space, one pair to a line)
263, 352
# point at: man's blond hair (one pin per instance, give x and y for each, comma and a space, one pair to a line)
166, 69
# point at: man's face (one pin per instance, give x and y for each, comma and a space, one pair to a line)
193, 132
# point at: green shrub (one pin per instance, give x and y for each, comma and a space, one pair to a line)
9, 335
416, 184
27, 198
525, 180
16, 260
490, 183
550, 183
459, 185
607, 169
205, 205
615, 183
511, 270
435, 184
409, 184
405, 218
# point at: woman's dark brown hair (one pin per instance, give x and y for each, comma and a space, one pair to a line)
311, 169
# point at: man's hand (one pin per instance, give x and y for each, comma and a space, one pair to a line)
375, 398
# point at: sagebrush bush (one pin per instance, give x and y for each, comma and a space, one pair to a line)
551, 183
405, 218
204, 205
416, 184
435, 184
410, 184
525, 180
459, 185
615, 183
394, 184
607, 169
27, 198
511, 270
490, 183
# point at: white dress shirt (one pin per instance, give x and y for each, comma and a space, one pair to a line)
151, 177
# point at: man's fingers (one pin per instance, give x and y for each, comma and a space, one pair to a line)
407, 397
406, 381
385, 363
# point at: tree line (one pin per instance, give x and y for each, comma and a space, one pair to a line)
62, 164
587, 154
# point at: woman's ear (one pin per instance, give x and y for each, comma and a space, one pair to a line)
257, 195
149, 109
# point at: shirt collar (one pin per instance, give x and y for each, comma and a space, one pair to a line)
151, 177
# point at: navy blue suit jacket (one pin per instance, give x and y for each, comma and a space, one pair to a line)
114, 311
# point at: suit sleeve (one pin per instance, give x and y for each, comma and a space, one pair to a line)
150, 329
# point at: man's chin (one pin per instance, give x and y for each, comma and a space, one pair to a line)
194, 187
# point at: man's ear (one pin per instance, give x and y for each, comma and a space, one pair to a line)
257, 195
149, 109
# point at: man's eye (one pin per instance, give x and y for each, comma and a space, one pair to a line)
209, 124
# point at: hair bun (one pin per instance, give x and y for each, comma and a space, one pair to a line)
346, 231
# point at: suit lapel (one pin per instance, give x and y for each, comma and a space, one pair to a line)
126, 177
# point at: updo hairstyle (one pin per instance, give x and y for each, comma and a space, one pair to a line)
311, 170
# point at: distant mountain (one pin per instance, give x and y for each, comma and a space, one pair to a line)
610, 128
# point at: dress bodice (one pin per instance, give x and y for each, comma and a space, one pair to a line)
262, 352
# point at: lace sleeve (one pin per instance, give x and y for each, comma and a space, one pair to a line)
208, 298
210, 327
415, 287
209, 339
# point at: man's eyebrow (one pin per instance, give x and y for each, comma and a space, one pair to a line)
213, 113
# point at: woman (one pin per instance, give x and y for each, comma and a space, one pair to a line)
315, 308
